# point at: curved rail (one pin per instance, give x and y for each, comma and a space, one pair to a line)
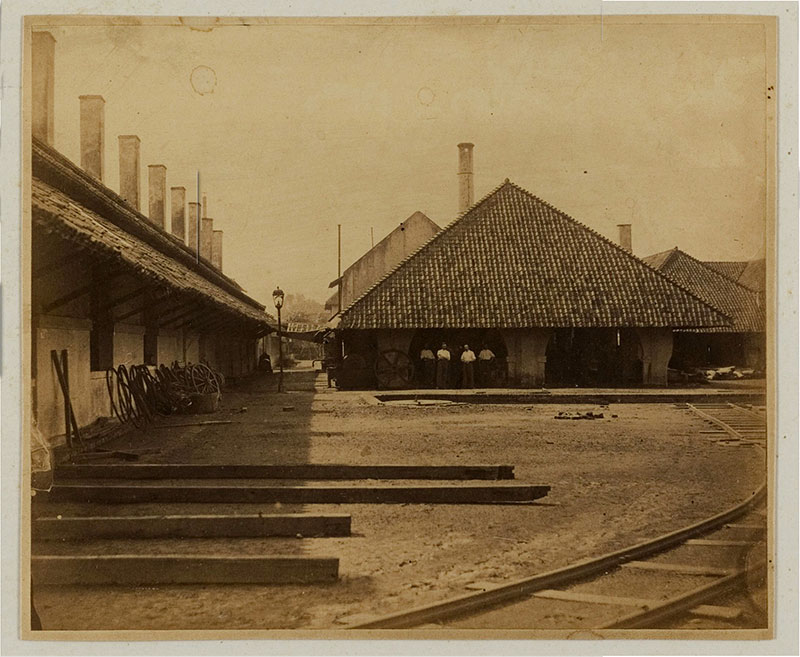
483, 600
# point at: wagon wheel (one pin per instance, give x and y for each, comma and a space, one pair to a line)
394, 369
203, 379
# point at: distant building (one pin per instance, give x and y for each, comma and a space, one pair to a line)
719, 283
380, 259
559, 304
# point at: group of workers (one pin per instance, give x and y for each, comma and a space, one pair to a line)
437, 367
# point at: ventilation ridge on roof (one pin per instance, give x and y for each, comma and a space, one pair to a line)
458, 218
619, 248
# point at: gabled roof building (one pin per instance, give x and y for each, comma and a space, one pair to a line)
740, 343
559, 303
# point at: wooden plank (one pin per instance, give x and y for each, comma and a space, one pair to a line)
761, 528
715, 611
575, 596
709, 542
190, 526
684, 569
294, 471
129, 569
462, 494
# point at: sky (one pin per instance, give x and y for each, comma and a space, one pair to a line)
297, 127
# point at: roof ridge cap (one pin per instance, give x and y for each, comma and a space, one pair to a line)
441, 232
629, 254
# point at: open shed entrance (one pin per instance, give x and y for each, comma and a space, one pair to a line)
455, 340
594, 358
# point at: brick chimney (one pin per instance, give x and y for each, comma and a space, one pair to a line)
216, 249
206, 232
157, 185
625, 237
43, 48
93, 111
466, 192
129, 169
178, 204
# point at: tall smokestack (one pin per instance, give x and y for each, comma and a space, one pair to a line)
625, 237
466, 192
205, 205
206, 231
178, 204
129, 169
157, 185
216, 249
194, 219
43, 48
93, 111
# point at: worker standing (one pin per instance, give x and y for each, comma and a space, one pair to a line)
442, 366
467, 367
485, 360
428, 366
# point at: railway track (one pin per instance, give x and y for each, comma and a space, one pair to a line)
671, 581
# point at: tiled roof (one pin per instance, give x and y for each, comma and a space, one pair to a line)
754, 275
730, 269
740, 303
513, 260
55, 212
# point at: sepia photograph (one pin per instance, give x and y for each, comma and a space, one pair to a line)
444, 326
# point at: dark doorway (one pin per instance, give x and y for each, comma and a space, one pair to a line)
455, 340
598, 357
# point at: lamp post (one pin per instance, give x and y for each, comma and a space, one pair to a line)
277, 299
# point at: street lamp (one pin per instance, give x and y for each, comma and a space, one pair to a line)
277, 299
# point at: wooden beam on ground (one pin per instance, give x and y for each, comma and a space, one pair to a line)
190, 526
710, 542
124, 569
576, 596
715, 611
294, 471
684, 569
461, 494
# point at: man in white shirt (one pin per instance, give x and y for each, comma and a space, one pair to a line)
485, 361
428, 366
467, 365
442, 366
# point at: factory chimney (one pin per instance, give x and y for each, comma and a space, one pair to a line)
178, 211
92, 110
625, 237
465, 186
43, 85
157, 184
216, 249
129, 169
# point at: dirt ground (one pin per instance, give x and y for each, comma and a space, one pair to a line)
615, 481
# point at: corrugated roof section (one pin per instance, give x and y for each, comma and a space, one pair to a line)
513, 260
739, 302
57, 213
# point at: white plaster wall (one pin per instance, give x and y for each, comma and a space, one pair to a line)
526, 355
128, 345
73, 335
170, 347
656, 353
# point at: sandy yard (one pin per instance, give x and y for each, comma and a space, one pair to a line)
615, 481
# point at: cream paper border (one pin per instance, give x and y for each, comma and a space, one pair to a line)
782, 389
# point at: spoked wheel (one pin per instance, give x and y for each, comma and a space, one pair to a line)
203, 379
394, 369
